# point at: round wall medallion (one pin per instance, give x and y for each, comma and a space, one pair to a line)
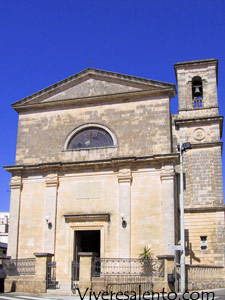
199, 134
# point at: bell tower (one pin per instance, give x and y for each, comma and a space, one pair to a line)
199, 123
197, 88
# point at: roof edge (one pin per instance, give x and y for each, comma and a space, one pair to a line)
200, 61
91, 71
197, 62
170, 92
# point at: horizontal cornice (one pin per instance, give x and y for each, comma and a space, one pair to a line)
19, 169
197, 120
206, 145
95, 73
109, 98
87, 217
197, 63
204, 209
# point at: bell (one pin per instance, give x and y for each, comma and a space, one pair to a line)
197, 91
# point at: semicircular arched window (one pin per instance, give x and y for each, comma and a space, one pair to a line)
92, 137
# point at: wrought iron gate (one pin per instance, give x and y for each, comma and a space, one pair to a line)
75, 275
51, 282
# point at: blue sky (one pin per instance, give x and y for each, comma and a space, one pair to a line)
44, 41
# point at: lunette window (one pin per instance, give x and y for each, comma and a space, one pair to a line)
92, 137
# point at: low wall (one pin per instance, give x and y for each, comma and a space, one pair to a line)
25, 284
121, 274
27, 275
203, 277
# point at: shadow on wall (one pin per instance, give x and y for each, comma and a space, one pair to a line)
188, 248
13, 287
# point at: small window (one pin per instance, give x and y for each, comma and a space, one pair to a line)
203, 242
92, 137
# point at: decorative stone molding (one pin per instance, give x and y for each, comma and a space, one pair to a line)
125, 175
86, 126
204, 209
87, 218
54, 166
199, 134
52, 180
42, 254
16, 182
167, 172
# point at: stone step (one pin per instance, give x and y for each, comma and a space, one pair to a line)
63, 288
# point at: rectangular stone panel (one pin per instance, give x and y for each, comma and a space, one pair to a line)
87, 190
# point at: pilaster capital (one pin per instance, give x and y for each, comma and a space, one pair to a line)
16, 182
52, 180
167, 172
125, 175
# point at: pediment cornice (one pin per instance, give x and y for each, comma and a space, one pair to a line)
94, 85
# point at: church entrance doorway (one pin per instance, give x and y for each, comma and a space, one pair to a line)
87, 241
84, 241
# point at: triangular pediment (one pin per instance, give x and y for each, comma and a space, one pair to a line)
91, 87
92, 83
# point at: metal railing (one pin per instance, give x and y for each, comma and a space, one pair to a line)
128, 283
197, 103
17, 267
75, 272
51, 282
128, 266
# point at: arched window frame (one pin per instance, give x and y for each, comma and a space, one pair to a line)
197, 102
88, 126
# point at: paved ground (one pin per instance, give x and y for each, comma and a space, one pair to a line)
20, 296
219, 294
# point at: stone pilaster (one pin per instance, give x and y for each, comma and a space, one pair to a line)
168, 269
124, 179
16, 187
41, 271
50, 212
85, 274
168, 226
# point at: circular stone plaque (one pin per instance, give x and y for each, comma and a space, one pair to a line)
199, 134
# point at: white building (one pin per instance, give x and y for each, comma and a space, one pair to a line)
4, 229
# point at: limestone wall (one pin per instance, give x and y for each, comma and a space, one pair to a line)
210, 224
88, 192
32, 218
203, 277
42, 135
146, 213
24, 284
208, 72
203, 177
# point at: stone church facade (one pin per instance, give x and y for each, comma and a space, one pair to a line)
97, 168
